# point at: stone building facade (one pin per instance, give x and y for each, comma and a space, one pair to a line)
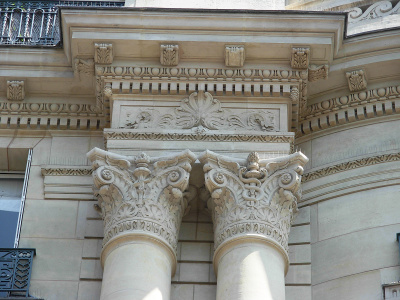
187, 153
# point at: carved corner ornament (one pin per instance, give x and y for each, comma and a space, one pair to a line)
253, 197
103, 53
300, 58
15, 90
84, 67
107, 91
234, 56
316, 73
140, 195
169, 55
356, 80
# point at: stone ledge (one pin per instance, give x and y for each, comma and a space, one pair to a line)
20, 298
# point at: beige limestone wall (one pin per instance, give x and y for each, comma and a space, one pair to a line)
353, 210
354, 243
61, 223
55, 225
209, 4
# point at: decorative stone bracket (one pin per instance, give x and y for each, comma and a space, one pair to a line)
15, 90
254, 197
141, 195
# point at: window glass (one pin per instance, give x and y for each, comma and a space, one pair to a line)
10, 202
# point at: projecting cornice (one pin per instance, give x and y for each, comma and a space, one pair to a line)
365, 105
205, 36
202, 56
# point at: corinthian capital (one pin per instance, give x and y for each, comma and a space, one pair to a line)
141, 195
253, 197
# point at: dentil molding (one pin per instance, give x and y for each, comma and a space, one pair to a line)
358, 106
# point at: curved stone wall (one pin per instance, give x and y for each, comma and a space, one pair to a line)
351, 187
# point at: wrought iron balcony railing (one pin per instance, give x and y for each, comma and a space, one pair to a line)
15, 271
37, 23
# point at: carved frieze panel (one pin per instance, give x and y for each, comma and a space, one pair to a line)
169, 55
300, 58
123, 90
141, 194
356, 80
234, 56
15, 90
253, 196
200, 112
103, 53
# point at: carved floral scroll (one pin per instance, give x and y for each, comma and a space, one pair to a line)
200, 111
141, 194
253, 197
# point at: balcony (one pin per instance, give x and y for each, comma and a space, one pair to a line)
15, 272
37, 23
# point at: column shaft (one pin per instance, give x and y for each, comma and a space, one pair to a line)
251, 271
137, 270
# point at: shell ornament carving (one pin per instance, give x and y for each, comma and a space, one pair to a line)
200, 112
200, 109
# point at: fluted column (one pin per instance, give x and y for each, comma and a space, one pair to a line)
142, 201
253, 204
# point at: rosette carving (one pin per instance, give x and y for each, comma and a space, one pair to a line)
141, 194
254, 196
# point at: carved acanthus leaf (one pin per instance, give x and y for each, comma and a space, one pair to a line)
103, 53
356, 80
169, 55
253, 197
15, 90
141, 194
84, 67
316, 73
300, 58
